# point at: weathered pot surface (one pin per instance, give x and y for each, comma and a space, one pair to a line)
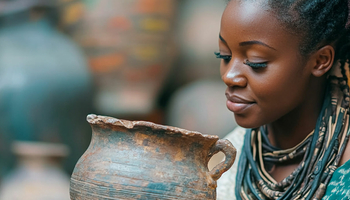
143, 160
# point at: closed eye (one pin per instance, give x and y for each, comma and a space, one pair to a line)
255, 65
226, 58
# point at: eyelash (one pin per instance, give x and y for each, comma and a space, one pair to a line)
255, 65
247, 62
224, 57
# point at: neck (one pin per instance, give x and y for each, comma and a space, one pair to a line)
293, 128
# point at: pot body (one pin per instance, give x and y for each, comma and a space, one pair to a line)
142, 160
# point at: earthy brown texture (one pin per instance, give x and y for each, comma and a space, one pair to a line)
143, 160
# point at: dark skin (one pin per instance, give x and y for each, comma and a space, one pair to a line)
286, 94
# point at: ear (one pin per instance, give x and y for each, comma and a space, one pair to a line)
323, 60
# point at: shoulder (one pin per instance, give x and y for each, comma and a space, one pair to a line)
227, 182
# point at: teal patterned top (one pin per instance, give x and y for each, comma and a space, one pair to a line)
339, 186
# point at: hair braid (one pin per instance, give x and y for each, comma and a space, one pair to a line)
317, 21
343, 50
343, 83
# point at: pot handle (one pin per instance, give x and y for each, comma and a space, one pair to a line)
229, 150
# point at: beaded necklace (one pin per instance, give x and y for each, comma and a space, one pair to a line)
320, 153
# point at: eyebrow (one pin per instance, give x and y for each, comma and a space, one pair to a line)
247, 43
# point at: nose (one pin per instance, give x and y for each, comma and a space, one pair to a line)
233, 77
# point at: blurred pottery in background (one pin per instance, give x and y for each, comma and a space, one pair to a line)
130, 49
45, 85
143, 160
38, 175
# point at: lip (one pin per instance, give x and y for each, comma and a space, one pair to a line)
238, 104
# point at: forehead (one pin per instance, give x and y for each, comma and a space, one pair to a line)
252, 20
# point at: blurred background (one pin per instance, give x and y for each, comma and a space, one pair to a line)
131, 59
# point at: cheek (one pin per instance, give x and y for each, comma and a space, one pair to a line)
280, 89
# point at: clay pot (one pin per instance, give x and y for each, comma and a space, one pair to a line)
143, 160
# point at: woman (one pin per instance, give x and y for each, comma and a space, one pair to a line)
284, 63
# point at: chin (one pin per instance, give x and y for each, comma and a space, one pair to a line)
246, 122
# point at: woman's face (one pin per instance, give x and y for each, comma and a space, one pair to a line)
265, 74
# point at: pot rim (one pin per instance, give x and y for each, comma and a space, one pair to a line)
111, 121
